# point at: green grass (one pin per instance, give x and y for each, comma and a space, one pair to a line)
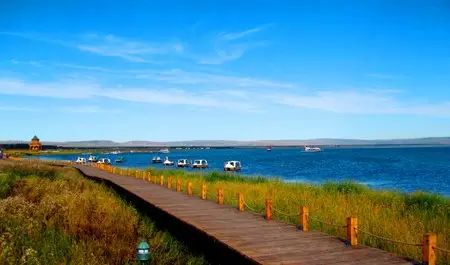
49, 152
391, 214
52, 215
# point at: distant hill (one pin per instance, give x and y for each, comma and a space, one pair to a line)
223, 143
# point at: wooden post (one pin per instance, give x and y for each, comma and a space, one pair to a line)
155, 180
178, 185
428, 249
189, 188
352, 227
149, 177
241, 205
268, 209
220, 196
169, 182
304, 216
203, 193
161, 180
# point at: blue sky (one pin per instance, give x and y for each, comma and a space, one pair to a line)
243, 70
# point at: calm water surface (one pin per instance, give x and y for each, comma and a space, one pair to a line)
405, 169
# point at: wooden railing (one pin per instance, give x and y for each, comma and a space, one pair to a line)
428, 245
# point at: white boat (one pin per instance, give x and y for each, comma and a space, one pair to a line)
183, 163
200, 163
232, 166
269, 149
156, 160
167, 162
105, 161
312, 149
92, 159
164, 151
81, 160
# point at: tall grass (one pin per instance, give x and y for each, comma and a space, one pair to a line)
399, 216
52, 215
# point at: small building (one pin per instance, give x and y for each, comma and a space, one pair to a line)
35, 144
2, 154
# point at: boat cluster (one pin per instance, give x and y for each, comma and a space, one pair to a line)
95, 159
198, 163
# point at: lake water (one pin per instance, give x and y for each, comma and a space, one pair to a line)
400, 168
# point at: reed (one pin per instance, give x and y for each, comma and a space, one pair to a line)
52, 215
400, 216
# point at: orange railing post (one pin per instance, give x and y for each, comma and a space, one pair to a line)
241, 202
428, 249
203, 193
352, 227
268, 209
189, 188
304, 216
220, 196
161, 180
178, 185
169, 182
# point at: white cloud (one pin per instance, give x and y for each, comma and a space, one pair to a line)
177, 76
354, 102
83, 91
241, 100
230, 46
382, 76
69, 89
31, 62
224, 47
108, 45
222, 56
17, 109
135, 51
86, 109
229, 36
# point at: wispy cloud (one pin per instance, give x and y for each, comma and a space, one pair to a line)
77, 91
70, 89
357, 102
178, 76
131, 50
9, 108
383, 76
367, 102
30, 62
223, 55
173, 76
230, 46
229, 36
223, 47
108, 45
86, 109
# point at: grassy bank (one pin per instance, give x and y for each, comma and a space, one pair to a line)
27, 153
399, 216
51, 215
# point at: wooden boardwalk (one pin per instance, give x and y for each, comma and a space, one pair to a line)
248, 234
